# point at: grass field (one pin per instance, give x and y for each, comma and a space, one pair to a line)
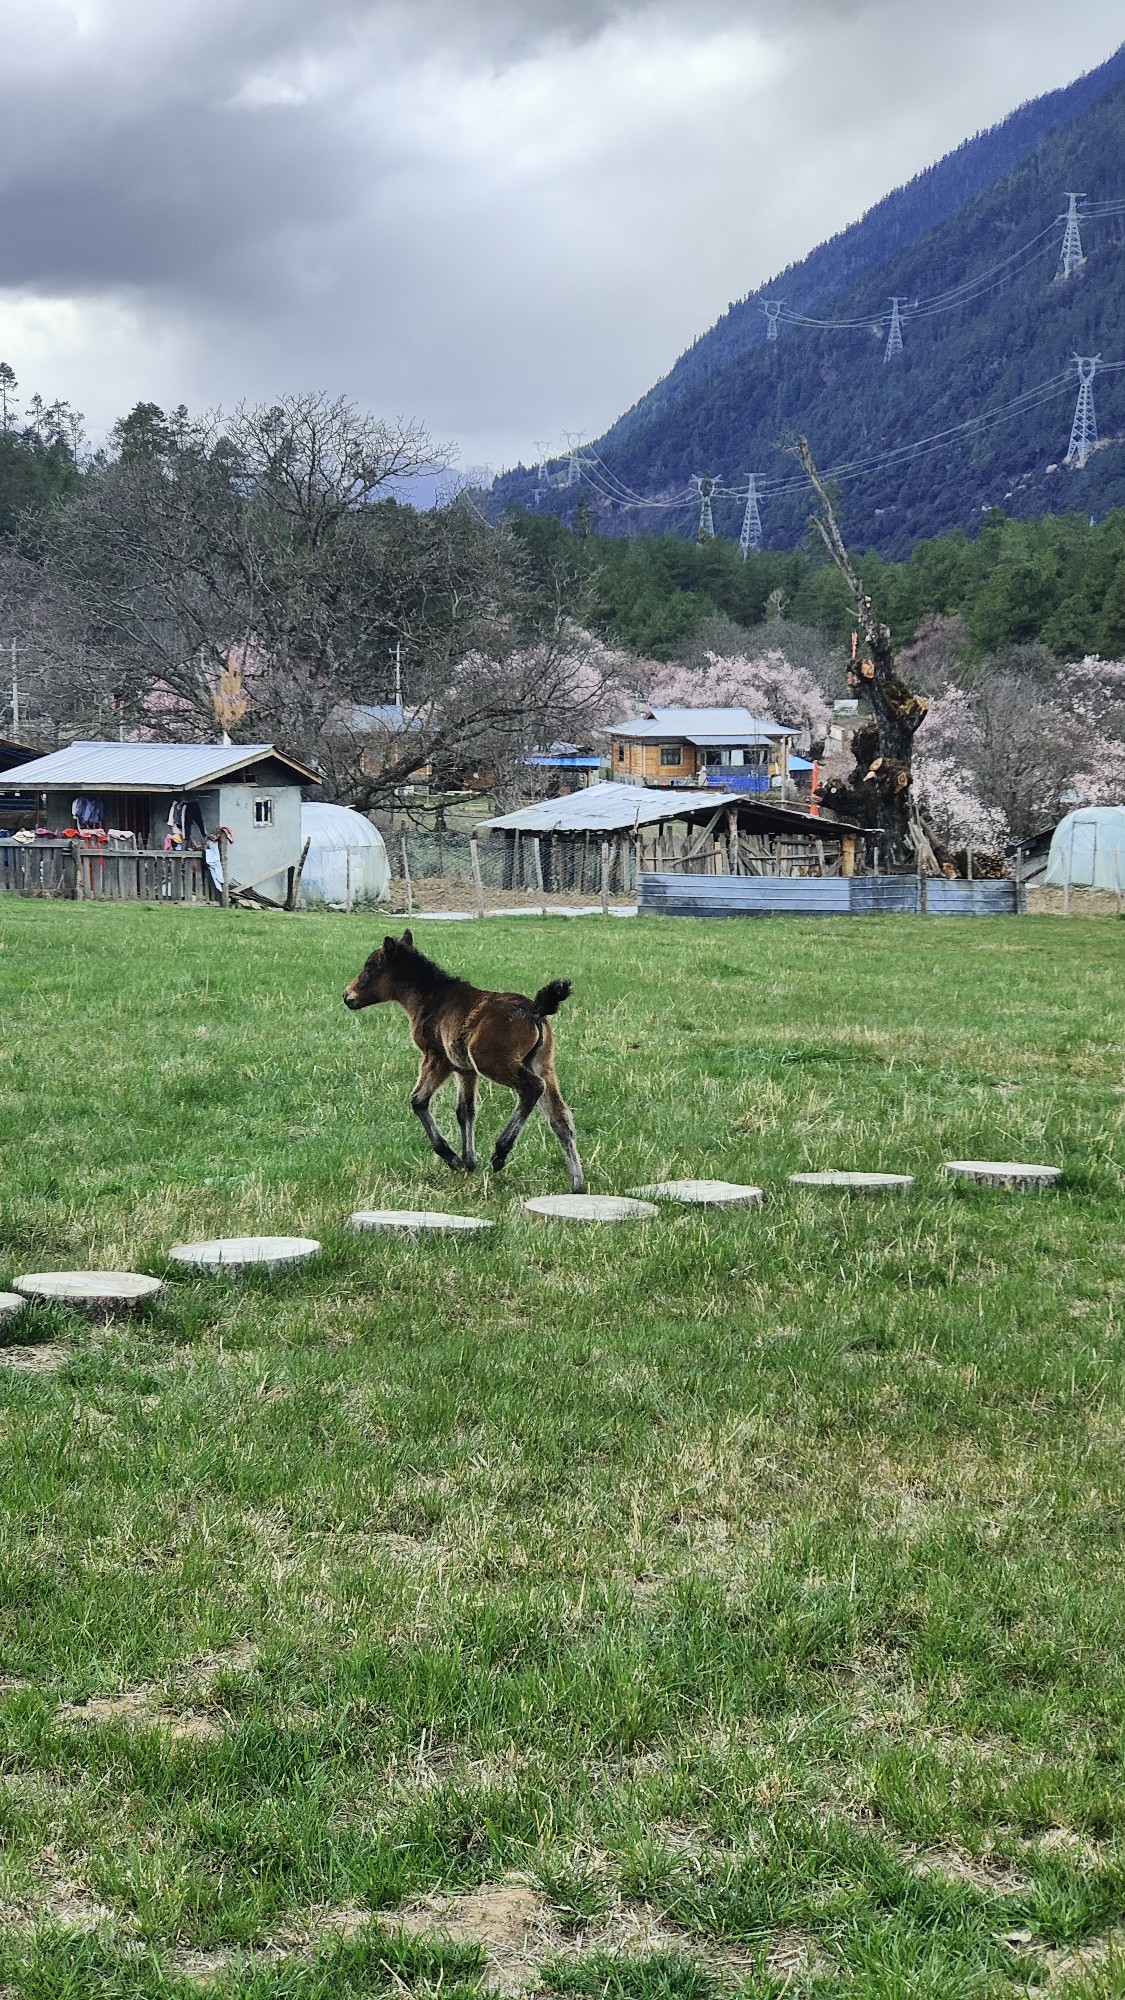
724, 1604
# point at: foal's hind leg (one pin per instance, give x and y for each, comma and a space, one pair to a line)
467, 1081
431, 1076
529, 1089
562, 1125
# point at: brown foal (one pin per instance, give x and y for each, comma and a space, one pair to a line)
464, 1031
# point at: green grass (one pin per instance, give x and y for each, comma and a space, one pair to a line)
746, 1587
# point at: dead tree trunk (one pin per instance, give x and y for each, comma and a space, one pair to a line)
877, 792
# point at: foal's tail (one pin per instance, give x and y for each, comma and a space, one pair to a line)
549, 998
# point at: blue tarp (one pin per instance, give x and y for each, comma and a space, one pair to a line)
1088, 850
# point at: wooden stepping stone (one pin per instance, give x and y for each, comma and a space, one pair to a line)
413, 1221
858, 1183
704, 1194
96, 1291
243, 1253
1003, 1173
10, 1304
590, 1207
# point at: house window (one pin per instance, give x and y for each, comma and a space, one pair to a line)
671, 753
621, 753
263, 812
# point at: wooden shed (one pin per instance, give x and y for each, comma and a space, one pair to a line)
108, 815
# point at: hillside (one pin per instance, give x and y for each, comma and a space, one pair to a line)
735, 401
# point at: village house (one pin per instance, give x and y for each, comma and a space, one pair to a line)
724, 747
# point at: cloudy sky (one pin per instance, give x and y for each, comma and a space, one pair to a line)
504, 217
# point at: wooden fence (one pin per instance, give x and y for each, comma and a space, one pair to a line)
67, 868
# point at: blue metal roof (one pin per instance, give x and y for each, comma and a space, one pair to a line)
144, 767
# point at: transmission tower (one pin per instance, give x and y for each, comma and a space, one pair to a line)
894, 337
706, 487
1071, 257
1084, 429
772, 310
751, 536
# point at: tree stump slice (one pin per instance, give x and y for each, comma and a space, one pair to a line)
703, 1194
10, 1304
1003, 1173
244, 1253
94, 1291
857, 1183
413, 1222
590, 1208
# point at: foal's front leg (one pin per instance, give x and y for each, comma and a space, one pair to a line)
467, 1081
431, 1076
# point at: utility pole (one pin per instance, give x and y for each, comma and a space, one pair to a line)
1084, 429
772, 310
16, 650
1071, 258
398, 677
751, 536
894, 337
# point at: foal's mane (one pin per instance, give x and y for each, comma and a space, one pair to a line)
425, 976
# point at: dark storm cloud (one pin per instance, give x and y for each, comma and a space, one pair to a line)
504, 215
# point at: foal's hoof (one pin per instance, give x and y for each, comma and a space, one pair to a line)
498, 1162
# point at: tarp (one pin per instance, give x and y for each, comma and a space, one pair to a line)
1088, 850
346, 862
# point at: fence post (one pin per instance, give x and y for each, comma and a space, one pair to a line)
605, 878
406, 879
474, 857
224, 849
537, 858
1066, 877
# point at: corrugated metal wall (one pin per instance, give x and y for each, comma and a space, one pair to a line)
779, 895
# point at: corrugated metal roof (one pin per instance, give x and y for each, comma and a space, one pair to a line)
704, 726
610, 809
144, 767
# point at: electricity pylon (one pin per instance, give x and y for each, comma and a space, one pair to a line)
772, 310
1084, 429
751, 536
894, 337
1071, 257
706, 486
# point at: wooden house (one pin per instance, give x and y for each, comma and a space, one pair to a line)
725, 747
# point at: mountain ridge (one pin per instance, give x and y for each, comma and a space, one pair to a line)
733, 402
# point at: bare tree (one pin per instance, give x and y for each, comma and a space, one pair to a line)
878, 792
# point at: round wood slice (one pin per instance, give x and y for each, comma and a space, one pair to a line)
413, 1221
243, 1253
101, 1290
858, 1183
10, 1304
590, 1207
1003, 1173
704, 1194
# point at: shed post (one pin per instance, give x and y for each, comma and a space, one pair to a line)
1019, 883
224, 870
406, 878
295, 875
847, 854
605, 878
478, 885
969, 861
1066, 877
537, 858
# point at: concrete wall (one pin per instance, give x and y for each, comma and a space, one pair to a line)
255, 849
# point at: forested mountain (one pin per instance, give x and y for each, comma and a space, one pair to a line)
984, 224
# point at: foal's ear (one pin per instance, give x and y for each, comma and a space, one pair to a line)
389, 944
407, 938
